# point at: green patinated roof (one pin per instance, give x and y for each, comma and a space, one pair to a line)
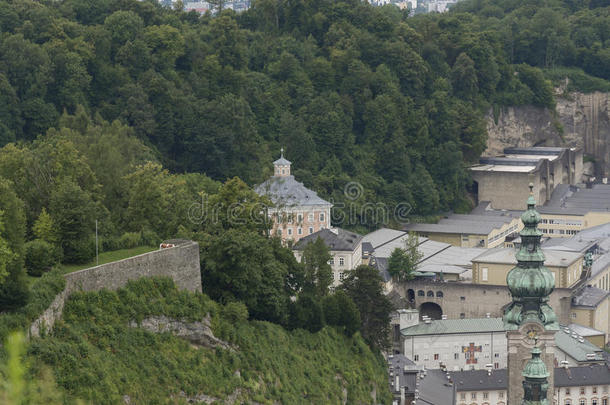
535, 367
449, 326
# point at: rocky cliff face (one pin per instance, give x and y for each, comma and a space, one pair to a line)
582, 120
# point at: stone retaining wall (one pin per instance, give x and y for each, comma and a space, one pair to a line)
181, 263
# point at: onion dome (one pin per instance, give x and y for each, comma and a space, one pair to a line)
535, 385
530, 283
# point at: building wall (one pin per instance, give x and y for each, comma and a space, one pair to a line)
506, 190
181, 263
484, 397
497, 272
588, 393
596, 318
450, 350
289, 221
464, 300
601, 280
351, 260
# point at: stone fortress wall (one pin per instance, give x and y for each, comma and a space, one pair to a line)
181, 263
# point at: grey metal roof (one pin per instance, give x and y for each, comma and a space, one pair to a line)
584, 330
576, 347
475, 380
575, 243
555, 258
453, 256
367, 248
464, 224
381, 264
594, 374
480, 380
589, 297
285, 191
406, 370
535, 150
577, 201
383, 236
434, 389
600, 263
282, 161
341, 240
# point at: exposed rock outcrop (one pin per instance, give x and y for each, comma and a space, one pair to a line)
582, 120
198, 333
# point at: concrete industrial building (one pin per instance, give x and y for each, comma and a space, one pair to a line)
297, 211
503, 180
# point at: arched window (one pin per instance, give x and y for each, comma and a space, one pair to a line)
430, 293
439, 294
421, 293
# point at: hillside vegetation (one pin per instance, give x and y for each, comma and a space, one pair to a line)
97, 357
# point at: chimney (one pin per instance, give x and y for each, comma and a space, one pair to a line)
397, 383
487, 315
402, 395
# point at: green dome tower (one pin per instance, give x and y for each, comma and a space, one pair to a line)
530, 283
535, 385
529, 320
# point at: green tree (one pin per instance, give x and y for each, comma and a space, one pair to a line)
364, 286
464, 77
14, 290
74, 213
403, 262
318, 275
242, 265
44, 228
340, 311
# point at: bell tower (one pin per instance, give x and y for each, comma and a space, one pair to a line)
281, 167
529, 319
535, 385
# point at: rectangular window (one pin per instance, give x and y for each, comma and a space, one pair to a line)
299, 231
300, 218
435, 356
290, 218
473, 395
496, 355
416, 357
485, 395
484, 271
567, 391
341, 261
310, 218
595, 390
341, 275
456, 356
582, 390
289, 231
310, 230
321, 217
463, 395
496, 365
331, 261
501, 394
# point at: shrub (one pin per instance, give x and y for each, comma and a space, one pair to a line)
40, 257
235, 312
149, 238
130, 240
79, 250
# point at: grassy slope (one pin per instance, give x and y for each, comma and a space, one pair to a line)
107, 257
97, 357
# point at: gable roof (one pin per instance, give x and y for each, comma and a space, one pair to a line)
555, 258
342, 240
589, 297
478, 380
285, 191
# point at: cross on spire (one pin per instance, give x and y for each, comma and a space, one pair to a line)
282, 152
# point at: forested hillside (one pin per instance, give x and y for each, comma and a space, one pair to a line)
352, 91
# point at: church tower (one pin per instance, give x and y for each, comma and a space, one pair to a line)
529, 318
281, 167
535, 385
